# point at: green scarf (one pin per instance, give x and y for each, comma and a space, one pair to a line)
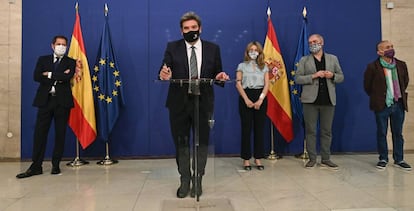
391, 96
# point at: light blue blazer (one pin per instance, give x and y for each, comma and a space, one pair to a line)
310, 87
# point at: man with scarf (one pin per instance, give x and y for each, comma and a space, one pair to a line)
190, 58
385, 82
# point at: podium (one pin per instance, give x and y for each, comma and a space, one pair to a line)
193, 89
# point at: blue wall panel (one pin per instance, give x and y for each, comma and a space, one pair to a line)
140, 31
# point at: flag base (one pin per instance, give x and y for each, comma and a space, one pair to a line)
303, 156
77, 162
272, 156
107, 161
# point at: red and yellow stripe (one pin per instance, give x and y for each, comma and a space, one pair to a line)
82, 116
279, 108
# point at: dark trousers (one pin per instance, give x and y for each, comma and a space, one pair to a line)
252, 119
182, 123
45, 115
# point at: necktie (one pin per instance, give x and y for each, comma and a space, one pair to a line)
56, 64
193, 64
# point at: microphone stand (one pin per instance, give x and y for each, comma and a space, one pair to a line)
194, 89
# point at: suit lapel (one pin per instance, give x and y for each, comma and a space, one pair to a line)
311, 62
204, 53
328, 63
185, 58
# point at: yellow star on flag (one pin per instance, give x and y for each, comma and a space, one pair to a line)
102, 61
101, 97
108, 99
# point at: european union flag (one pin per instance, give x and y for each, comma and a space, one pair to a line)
107, 86
295, 89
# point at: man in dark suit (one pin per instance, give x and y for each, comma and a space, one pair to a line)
190, 58
54, 101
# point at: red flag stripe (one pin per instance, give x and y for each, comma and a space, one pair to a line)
279, 107
82, 117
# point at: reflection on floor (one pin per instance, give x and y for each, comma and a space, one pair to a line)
149, 184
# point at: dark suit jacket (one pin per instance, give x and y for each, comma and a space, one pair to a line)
175, 57
375, 85
62, 87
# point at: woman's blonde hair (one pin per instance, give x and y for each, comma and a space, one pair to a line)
260, 58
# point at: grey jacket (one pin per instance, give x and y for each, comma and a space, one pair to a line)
306, 68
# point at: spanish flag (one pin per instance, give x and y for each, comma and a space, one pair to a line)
279, 108
82, 116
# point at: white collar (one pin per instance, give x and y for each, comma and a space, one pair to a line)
197, 45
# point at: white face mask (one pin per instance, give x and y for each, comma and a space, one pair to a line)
253, 54
60, 50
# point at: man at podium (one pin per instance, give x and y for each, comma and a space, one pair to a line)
190, 58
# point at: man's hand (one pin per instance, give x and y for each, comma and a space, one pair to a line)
319, 74
165, 73
67, 71
222, 76
328, 74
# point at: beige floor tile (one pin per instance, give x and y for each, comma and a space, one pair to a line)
149, 185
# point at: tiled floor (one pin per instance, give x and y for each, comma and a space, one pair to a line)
151, 185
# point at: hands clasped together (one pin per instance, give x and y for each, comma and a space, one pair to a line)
323, 74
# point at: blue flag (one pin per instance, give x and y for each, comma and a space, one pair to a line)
295, 89
107, 86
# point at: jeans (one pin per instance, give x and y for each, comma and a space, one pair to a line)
395, 113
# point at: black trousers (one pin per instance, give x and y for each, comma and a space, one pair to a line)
252, 119
45, 115
182, 123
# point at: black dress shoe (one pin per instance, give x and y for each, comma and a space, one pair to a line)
55, 170
183, 190
29, 173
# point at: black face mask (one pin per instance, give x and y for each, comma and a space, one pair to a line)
191, 36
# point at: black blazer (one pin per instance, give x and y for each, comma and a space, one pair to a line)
62, 87
176, 58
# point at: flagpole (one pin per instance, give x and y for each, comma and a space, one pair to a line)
107, 160
272, 154
77, 161
108, 102
304, 155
